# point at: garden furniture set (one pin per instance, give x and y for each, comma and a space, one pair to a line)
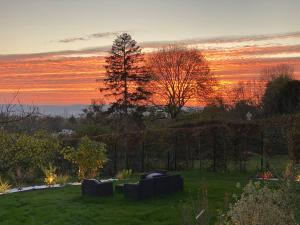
153, 184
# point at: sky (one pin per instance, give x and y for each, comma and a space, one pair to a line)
52, 51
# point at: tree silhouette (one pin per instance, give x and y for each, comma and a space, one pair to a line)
126, 76
180, 74
282, 91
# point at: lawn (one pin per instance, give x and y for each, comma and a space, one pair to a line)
66, 206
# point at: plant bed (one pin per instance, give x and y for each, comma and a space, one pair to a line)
41, 187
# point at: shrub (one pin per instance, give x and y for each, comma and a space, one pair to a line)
4, 186
90, 157
22, 154
124, 174
259, 204
62, 179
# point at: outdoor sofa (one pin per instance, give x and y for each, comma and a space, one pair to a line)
153, 186
93, 187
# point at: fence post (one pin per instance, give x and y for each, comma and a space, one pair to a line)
262, 152
143, 156
175, 152
115, 157
168, 160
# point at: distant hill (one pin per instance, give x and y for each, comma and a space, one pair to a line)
61, 110
53, 110
74, 110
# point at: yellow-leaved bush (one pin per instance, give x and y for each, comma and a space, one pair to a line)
89, 157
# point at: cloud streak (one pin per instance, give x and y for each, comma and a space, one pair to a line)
91, 36
69, 77
272, 43
69, 40
226, 39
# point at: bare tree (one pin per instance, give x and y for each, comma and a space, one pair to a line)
250, 91
14, 111
180, 74
272, 72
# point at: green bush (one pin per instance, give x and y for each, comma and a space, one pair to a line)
89, 157
62, 179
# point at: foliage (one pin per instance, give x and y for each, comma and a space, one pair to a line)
124, 174
4, 186
282, 92
22, 154
89, 157
289, 97
62, 179
298, 178
50, 175
292, 133
265, 175
6, 148
290, 171
258, 204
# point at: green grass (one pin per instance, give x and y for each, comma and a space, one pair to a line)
66, 206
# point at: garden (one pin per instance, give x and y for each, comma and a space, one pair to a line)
220, 179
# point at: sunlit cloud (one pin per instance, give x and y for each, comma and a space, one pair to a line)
69, 77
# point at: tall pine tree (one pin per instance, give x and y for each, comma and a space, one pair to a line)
126, 76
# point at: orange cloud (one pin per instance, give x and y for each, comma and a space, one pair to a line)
53, 79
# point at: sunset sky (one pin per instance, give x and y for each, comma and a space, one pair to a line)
52, 51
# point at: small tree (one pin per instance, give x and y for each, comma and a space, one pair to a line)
90, 157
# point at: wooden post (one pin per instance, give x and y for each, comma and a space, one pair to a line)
115, 157
214, 152
143, 157
168, 160
199, 154
175, 152
262, 152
